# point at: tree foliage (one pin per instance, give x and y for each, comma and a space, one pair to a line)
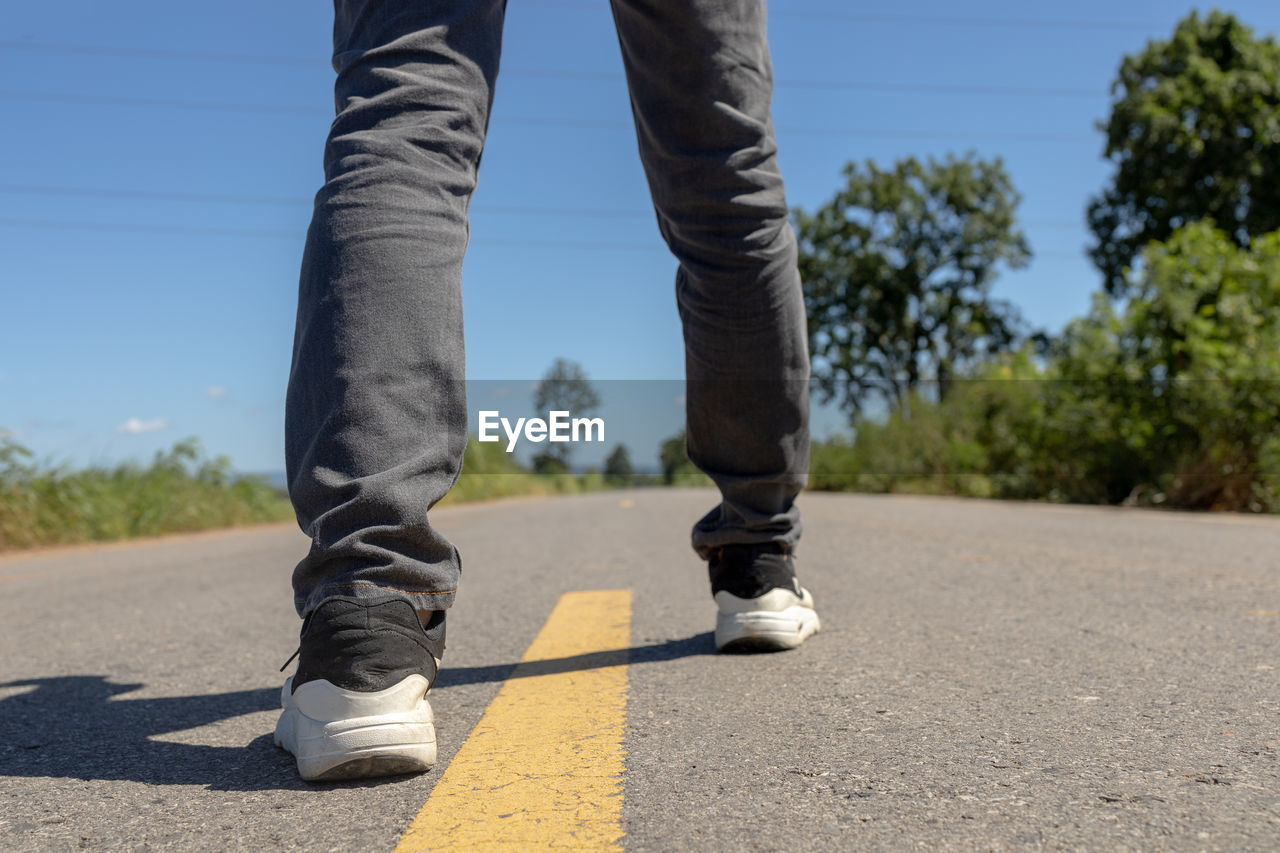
674, 456
1190, 370
618, 469
563, 388
1173, 399
677, 468
1194, 133
898, 268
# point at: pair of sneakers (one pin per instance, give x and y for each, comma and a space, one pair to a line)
357, 705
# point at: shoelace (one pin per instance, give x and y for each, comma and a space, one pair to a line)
291, 657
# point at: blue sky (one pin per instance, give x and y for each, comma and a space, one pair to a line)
160, 159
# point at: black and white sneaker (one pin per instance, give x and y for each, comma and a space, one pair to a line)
357, 705
762, 606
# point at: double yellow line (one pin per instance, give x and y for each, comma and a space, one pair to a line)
543, 767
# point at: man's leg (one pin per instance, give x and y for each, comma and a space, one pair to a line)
701, 84
376, 412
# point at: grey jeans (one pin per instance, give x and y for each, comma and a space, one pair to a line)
376, 414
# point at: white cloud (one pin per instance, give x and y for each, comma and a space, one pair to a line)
214, 392
137, 426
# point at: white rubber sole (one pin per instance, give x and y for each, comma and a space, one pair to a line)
338, 734
774, 622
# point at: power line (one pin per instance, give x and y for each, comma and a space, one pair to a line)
139, 228
152, 195
279, 233
589, 212
970, 22
956, 21
213, 231
850, 86
297, 201
535, 121
161, 103
157, 103
943, 89
784, 12
152, 53
564, 74
933, 135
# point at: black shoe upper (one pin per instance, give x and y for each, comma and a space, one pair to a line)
368, 647
749, 571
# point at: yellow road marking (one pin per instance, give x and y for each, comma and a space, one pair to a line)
543, 767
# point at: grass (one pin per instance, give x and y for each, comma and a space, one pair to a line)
179, 491
182, 490
489, 472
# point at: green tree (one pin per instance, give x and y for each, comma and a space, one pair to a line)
1184, 383
551, 462
897, 270
1194, 133
618, 470
674, 456
563, 388
677, 468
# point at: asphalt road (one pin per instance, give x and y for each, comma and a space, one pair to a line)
990, 676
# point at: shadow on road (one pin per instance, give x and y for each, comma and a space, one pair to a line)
75, 727
699, 644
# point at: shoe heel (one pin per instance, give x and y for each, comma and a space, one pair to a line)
337, 734
356, 749
765, 631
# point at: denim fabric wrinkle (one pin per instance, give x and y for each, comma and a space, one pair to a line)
376, 412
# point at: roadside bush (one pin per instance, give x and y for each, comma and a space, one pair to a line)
1172, 399
1187, 375
179, 491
